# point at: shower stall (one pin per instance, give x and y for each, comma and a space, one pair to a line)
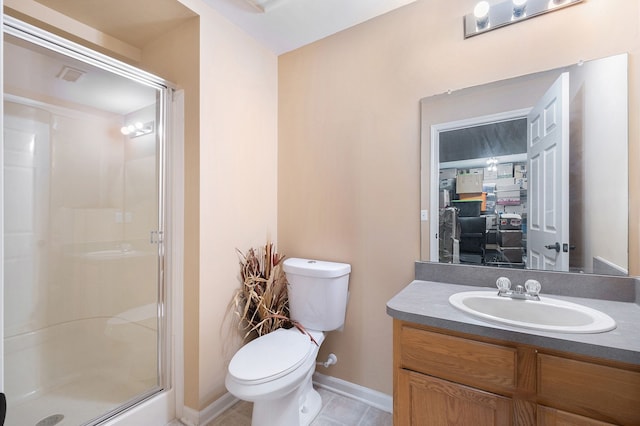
85, 312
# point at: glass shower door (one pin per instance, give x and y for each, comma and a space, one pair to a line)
82, 205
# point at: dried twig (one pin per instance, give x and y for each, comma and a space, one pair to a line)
262, 302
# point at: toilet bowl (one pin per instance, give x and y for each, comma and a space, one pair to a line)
275, 370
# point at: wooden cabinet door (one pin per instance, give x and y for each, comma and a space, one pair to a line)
588, 389
552, 417
427, 401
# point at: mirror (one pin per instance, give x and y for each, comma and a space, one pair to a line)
483, 197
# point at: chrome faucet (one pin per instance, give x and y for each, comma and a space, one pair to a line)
529, 291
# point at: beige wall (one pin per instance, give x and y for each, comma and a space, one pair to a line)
176, 56
230, 180
349, 155
238, 190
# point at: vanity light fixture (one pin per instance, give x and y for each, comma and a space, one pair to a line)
137, 129
486, 17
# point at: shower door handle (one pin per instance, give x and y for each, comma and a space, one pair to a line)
155, 237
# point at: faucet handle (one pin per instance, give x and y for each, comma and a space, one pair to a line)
533, 287
503, 284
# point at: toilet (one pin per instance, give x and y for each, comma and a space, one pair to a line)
275, 370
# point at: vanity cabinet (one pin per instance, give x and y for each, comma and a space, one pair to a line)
553, 417
448, 403
449, 378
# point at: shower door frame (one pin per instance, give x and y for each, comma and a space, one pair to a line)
165, 403
2, 202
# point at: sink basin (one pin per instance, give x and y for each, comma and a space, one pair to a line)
547, 314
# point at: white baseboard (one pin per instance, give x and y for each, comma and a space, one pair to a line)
371, 397
191, 417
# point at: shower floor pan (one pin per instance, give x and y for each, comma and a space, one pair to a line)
79, 401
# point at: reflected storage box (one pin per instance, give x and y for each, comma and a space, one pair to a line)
448, 184
467, 208
510, 222
492, 221
481, 196
511, 254
510, 238
508, 194
490, 173
448, 173
505, 170
469, 183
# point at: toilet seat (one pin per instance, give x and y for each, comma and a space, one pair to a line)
271, 356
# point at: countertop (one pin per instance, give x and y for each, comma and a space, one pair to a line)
427, 303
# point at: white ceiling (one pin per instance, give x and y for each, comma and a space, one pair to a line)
289, 24
281, 25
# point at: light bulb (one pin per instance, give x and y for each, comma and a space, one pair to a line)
555, 3
481, 10
481, 13
139, 125
124, 130
519, 7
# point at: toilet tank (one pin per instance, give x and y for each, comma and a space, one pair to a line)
318, 292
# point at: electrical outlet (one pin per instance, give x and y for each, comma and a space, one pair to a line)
424, 215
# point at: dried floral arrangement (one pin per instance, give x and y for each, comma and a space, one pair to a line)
261, 302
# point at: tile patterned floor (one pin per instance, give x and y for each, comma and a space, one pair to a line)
337, 410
